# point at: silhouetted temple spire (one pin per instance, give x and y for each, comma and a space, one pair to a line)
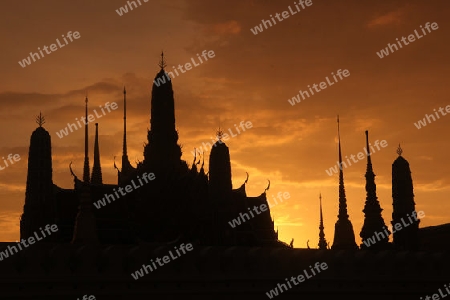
344, 236
162, 148
96, 177
220, 191
124, 151
86, 148
373, 220
220, 172
403, 205
322, 241
127, 168
38, 209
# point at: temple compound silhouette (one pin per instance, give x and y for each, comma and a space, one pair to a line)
95, 250
182, 204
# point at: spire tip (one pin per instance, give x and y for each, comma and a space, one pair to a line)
399, 150
40, 120
162, 63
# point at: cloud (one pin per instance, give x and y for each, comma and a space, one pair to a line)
394, 17
225, 28
10, 222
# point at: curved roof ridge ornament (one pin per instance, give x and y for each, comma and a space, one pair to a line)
246, 180
268, 186
199, 154
115, 166
71, 171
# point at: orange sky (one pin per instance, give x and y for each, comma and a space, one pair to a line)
251, 79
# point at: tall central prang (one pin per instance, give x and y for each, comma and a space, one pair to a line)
162, 148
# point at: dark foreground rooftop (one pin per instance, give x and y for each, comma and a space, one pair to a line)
66, 271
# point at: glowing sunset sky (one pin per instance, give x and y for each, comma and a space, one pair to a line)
251, 79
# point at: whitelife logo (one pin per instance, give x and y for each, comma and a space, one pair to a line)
165, 260
300, 278
128, 188
85, 297
263, 207
360, 156
10, 158
27, 61
323, 85
411, 38
161, 80
31, 240
221, 137
72, 126
423, 123
285, 14
124, 9
397, 227
438, 296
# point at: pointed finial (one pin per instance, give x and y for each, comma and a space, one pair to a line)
124, 90
219, 134
338, 123
162, 63
320, 208
40, 120
399, 150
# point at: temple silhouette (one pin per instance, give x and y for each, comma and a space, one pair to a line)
96, 249
182, 204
